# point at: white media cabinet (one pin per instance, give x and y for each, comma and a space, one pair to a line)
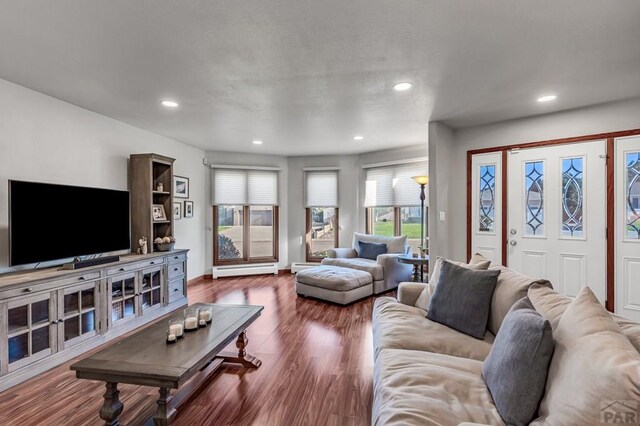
49, 316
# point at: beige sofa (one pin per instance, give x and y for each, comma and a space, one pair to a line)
386, 271
428, 374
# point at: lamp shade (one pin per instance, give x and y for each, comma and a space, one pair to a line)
421, 180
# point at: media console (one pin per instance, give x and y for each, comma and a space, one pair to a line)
49, 316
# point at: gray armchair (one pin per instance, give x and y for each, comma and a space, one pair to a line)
386, 271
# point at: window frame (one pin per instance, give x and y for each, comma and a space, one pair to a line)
246, 240
397, 220
336, 242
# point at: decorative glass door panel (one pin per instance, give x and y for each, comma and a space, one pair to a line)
79, 311
572, 198
28, 330
627, 226
123, 298
486, 199
151, 285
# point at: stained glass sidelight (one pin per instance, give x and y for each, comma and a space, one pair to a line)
486, 203
534, 198
633, 195
572, 197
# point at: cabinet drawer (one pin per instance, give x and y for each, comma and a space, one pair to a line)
79, 279
176, 289
135, 266
176, 269
177, 258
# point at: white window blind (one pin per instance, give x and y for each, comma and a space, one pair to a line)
244, 187
321, 188
393, 186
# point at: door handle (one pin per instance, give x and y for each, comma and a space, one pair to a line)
513, 242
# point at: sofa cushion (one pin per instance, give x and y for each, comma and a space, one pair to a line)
516, 369
333, 277
366, 265
594, 364
398, 326
394, 244
371, 250
477, 262
551, 305
422, 388
462, 299
511, 287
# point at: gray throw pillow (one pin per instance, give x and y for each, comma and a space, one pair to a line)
516, 369
462, 299
371, 250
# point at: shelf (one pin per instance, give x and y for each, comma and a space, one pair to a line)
161, 221
161, 193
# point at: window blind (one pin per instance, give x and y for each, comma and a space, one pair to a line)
393, 186
244, 187
321, 188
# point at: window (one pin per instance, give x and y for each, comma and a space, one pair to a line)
534, 198
392, 201
321, 202
632, 164
245, 215
572, 198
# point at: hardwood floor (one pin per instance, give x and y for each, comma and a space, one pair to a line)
317, 369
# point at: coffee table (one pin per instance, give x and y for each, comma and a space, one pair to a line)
417, 262
144, 358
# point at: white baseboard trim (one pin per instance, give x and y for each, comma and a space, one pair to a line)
240, 270
300, 266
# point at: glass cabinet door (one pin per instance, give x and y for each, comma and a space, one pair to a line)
122, 297
151, 288
79, 312
29, 330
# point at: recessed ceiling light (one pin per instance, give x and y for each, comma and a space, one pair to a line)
170, 104
257, 142
547, 98
401, 87
358, 138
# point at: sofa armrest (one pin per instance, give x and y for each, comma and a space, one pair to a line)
347, 253
408, 293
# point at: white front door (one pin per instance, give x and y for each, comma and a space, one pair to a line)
627, 227
486, 205
557, 215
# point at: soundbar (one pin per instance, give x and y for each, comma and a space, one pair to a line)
79, 264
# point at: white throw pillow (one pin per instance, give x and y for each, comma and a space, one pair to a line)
593, 370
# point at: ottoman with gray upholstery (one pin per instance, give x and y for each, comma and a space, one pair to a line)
334, 283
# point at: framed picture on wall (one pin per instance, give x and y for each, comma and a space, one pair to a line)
188, 209
177, 210
180, 187
157, 213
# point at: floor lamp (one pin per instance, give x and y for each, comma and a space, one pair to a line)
422, 181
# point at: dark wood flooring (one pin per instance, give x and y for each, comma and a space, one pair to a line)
317, 368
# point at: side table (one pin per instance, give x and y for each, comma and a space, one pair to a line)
418, 264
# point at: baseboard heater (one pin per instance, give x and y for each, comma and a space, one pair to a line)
300, 266
240, 270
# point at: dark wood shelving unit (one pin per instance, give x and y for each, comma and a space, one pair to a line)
146, 172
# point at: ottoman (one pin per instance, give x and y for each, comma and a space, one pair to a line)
334, 284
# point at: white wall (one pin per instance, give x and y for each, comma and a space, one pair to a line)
45, 139
624, 115
440, 192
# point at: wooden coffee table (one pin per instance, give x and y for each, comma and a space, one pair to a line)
417, 262
144, 358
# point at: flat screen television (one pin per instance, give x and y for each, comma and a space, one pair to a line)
53, 222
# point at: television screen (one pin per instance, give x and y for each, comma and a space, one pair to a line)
51, 222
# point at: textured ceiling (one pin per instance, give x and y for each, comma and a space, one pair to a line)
306, 76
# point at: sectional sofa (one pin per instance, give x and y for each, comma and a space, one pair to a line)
428, 374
